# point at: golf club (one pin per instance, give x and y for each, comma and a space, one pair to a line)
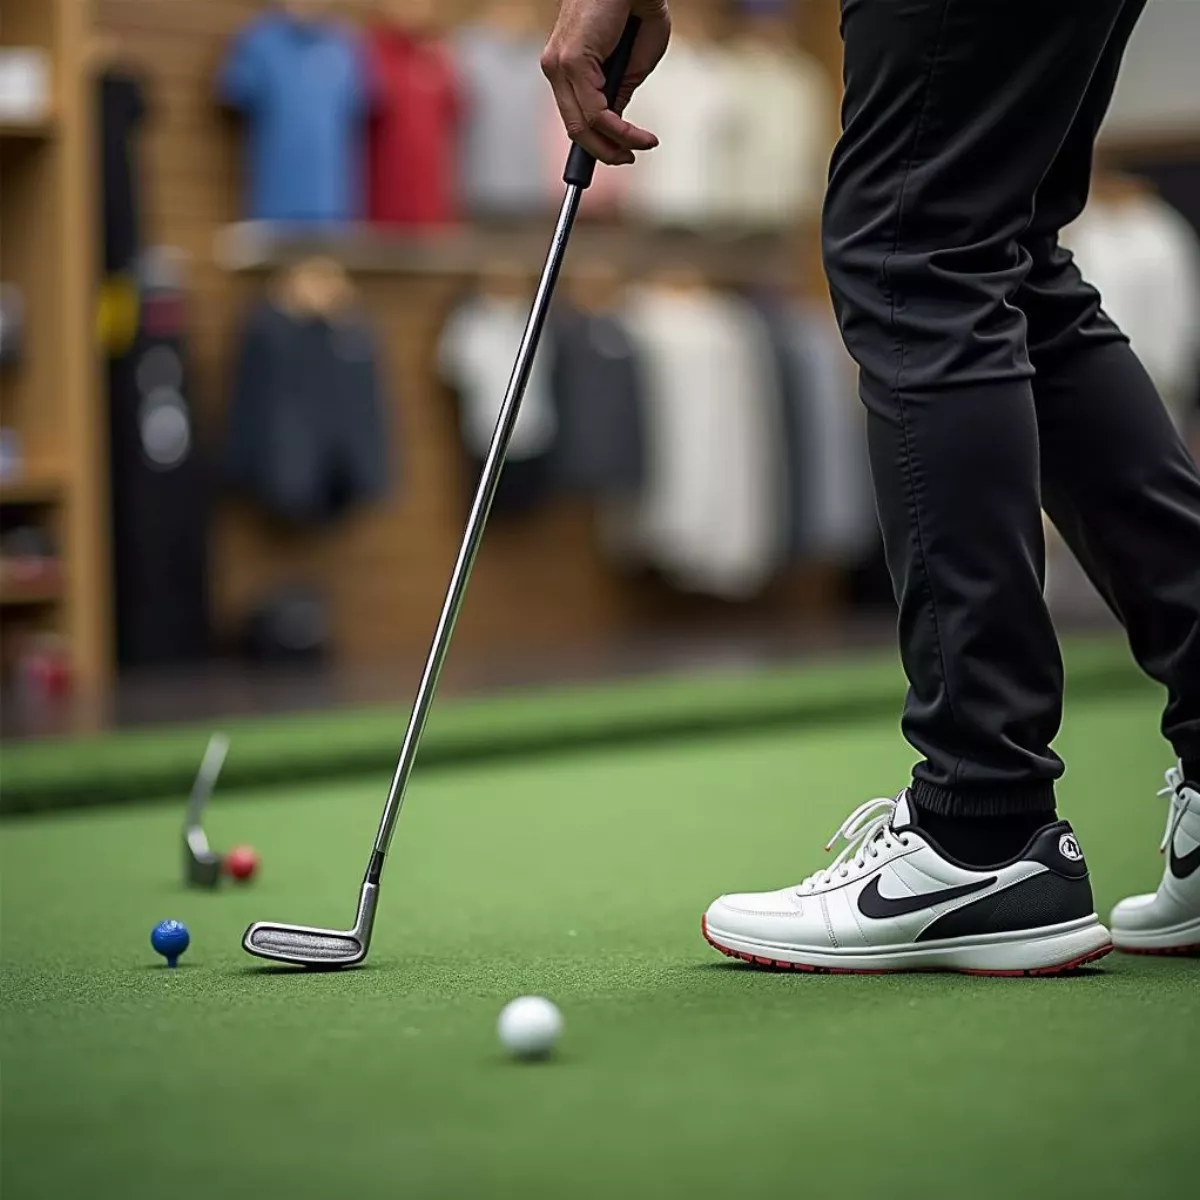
308, 946
201, 865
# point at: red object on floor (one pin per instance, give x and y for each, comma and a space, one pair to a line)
241, 863
45, 671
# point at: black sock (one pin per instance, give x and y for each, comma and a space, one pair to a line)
982, 841
1191, 772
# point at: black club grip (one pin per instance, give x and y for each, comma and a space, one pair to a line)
581, 166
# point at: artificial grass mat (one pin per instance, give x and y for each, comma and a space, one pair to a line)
582, 877
160, 762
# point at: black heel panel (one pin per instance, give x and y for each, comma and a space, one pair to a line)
1045, 899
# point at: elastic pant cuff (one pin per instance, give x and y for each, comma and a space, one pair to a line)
984, 802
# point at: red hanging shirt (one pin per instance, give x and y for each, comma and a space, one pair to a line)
414, 130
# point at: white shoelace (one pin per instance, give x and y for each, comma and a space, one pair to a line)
865, 831
1177, 808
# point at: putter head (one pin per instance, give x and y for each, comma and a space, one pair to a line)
308, 946
201, 867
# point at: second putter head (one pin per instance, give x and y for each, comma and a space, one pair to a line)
201, 866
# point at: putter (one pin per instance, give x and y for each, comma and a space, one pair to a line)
201, 865
308, 946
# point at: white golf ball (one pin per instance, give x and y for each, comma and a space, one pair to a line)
529, 1026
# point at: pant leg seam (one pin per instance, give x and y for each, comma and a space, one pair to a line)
908, 467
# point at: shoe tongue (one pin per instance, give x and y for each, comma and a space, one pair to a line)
1179, 783
905, 813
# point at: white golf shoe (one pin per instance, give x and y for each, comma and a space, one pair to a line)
892, 900
1168, 921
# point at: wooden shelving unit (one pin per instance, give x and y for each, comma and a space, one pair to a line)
542, 582
50, 398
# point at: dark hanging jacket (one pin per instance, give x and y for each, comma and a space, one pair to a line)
308, 437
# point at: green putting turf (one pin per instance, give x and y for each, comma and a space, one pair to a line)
582, 877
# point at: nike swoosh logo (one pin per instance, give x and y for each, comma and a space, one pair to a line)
1188, 865
872, 904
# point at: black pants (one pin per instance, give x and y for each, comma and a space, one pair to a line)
994, 383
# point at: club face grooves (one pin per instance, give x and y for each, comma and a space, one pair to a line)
304, 946
310, 946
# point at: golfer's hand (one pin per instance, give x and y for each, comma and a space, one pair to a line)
585, 34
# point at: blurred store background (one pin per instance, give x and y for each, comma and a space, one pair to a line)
263, 270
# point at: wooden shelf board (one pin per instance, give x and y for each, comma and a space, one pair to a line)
42, 130
37, 485
16, 596
255, 246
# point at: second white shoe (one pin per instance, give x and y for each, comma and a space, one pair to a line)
1168, 921
892, 900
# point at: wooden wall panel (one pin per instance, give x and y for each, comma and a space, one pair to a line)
540, 581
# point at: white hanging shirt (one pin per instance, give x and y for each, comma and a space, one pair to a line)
476, 353
837, 502
1145, 259
688, 103
782, 121
711, 513
505, 100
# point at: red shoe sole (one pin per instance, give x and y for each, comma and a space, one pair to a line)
1163, 951
775, 964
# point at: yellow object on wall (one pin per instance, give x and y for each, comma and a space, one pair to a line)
117, 313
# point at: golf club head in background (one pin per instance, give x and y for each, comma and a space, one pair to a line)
201, 864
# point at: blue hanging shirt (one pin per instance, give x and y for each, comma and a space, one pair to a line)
302, 86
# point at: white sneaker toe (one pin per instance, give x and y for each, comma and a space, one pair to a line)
1168, 921
763, 916
1135, 912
